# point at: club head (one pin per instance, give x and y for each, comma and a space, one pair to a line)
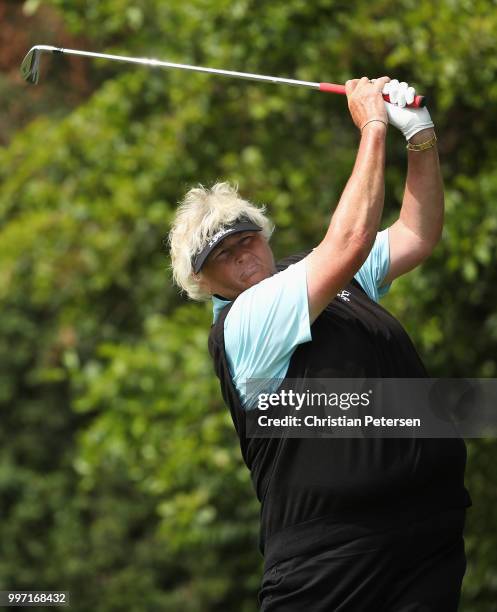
30, 67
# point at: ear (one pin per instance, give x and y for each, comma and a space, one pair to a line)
202, 282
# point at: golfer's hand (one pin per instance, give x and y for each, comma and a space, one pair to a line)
409, 121
366, 101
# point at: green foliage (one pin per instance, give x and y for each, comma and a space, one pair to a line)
120, 475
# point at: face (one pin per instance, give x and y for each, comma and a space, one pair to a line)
238, 262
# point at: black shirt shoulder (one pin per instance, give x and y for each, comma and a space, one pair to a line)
281, 264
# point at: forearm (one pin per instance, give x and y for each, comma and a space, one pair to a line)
423, 203
358, 214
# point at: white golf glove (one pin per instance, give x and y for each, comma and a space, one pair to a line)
409, 121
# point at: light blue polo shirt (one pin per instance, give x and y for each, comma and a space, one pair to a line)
269, 320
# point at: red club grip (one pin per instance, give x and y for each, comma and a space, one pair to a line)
418, 102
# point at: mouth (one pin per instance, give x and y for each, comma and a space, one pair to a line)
250, 271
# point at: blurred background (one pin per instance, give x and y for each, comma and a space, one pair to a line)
121, 478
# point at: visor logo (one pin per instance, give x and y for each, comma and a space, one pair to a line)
217, 235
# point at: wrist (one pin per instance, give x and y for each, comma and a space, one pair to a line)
374, 130
422, 136
374, 125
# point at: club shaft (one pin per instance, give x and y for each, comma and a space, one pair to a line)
159, 63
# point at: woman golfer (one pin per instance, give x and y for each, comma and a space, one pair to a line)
354, 525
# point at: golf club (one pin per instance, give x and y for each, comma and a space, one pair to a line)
30, 70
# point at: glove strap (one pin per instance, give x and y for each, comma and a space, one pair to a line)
422, 146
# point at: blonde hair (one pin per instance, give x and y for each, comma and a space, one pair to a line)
201, 214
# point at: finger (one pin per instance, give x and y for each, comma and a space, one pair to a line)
401, 96
380, 83
350, 85
357, 83
394, 88
410, 95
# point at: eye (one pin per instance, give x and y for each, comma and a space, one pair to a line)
246, 238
